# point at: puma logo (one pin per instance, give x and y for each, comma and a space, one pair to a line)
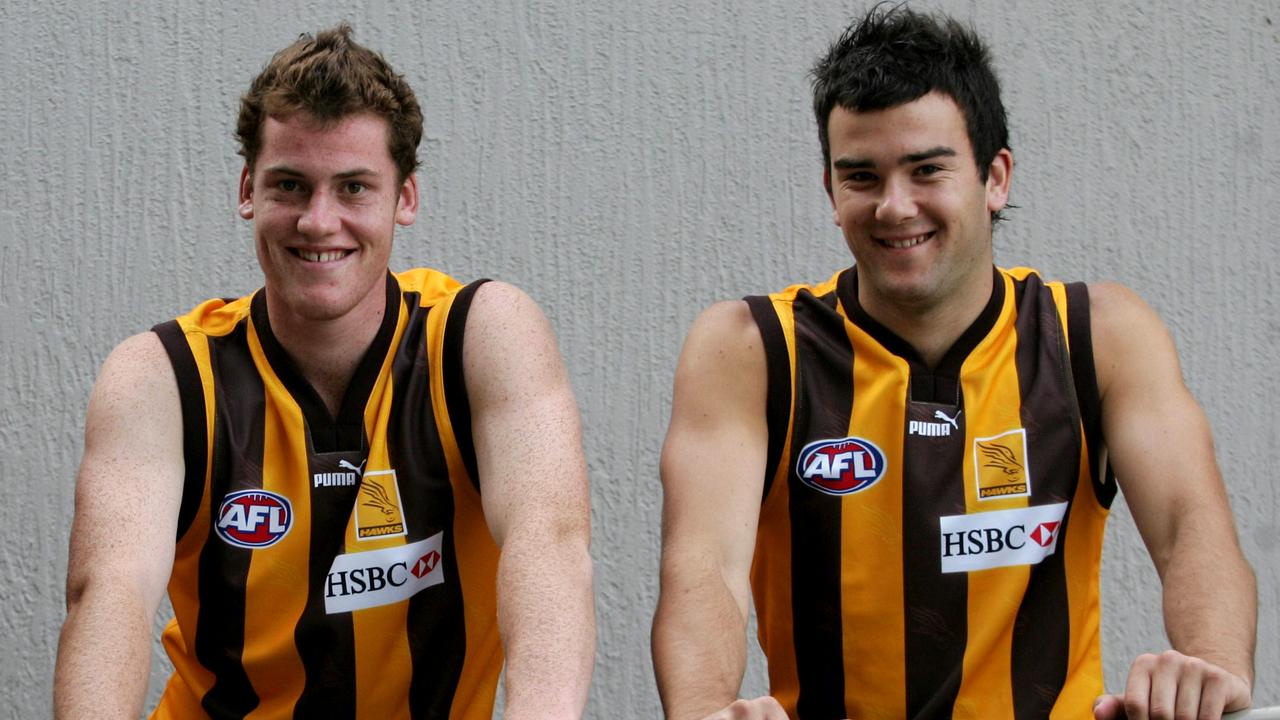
340, 479
348, 466
938, 414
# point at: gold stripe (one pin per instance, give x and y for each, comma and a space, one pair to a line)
989, 377
771, 567
383, 662
875, 662
277, 576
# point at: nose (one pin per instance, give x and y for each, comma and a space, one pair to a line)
320, 217
896, 202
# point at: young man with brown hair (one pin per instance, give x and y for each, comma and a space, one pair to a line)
357, 494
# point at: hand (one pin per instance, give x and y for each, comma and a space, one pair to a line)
761, 708
1172, 685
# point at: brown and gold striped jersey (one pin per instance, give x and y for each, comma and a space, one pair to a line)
335, 567
930, 538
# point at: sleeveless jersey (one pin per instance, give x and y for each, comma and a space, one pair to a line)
330, 567
929, 540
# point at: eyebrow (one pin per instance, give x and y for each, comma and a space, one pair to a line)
292, 171
846, 163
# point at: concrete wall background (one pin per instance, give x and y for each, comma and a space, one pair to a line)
626, 163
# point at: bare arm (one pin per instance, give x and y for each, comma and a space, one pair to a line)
713, 465
533, 481
1160, 445
118, 566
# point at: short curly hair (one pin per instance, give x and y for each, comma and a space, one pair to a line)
330, 77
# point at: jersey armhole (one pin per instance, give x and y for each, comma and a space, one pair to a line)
778, 391
1084, 375
195, 450
455, 385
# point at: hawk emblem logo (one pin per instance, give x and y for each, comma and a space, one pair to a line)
1000, 465
379, 513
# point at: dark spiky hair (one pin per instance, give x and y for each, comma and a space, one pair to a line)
894, 55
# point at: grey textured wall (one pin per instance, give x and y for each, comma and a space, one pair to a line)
627, 163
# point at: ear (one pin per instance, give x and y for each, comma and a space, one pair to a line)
999, 177
407, 203
246, 193
826, 184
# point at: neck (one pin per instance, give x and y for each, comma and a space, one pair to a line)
932, 326
327, 351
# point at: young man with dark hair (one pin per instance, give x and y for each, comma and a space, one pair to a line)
357, 495
912, 460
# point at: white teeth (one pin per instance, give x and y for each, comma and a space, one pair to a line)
906, 242
321, 256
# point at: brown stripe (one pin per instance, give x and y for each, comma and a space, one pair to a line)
195, 445
455, 380
824, 385
935, 603
778, 392
237, 462
1079, 330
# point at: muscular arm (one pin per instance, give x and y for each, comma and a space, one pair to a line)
122, 538
533, 481
713, 465
1160, 445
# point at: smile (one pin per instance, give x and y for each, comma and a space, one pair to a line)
907, 242
320, 257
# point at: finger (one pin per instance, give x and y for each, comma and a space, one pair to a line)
761, 708
1137, 690
1237, 691
1164, 688
1189, 696
1214, 697
1108, 707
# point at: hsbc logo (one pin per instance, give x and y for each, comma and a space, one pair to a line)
381, 577
840, 467
999, 538
1045, 534
254, 518
425, 564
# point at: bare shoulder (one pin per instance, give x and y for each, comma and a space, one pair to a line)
499, 308
1113, 304
724, 342
718, 410
136, 385
132, 466
524, 415
720, 384
1129, 339
508, 341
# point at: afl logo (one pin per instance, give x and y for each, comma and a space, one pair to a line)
254, 518
840, 467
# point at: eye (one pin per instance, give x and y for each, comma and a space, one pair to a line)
289, 185
928, 170
860, 177
355, 188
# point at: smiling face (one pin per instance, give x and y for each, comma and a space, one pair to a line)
324, 200
911, 204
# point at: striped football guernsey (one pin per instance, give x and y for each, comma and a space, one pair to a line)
929, 540
330, 567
